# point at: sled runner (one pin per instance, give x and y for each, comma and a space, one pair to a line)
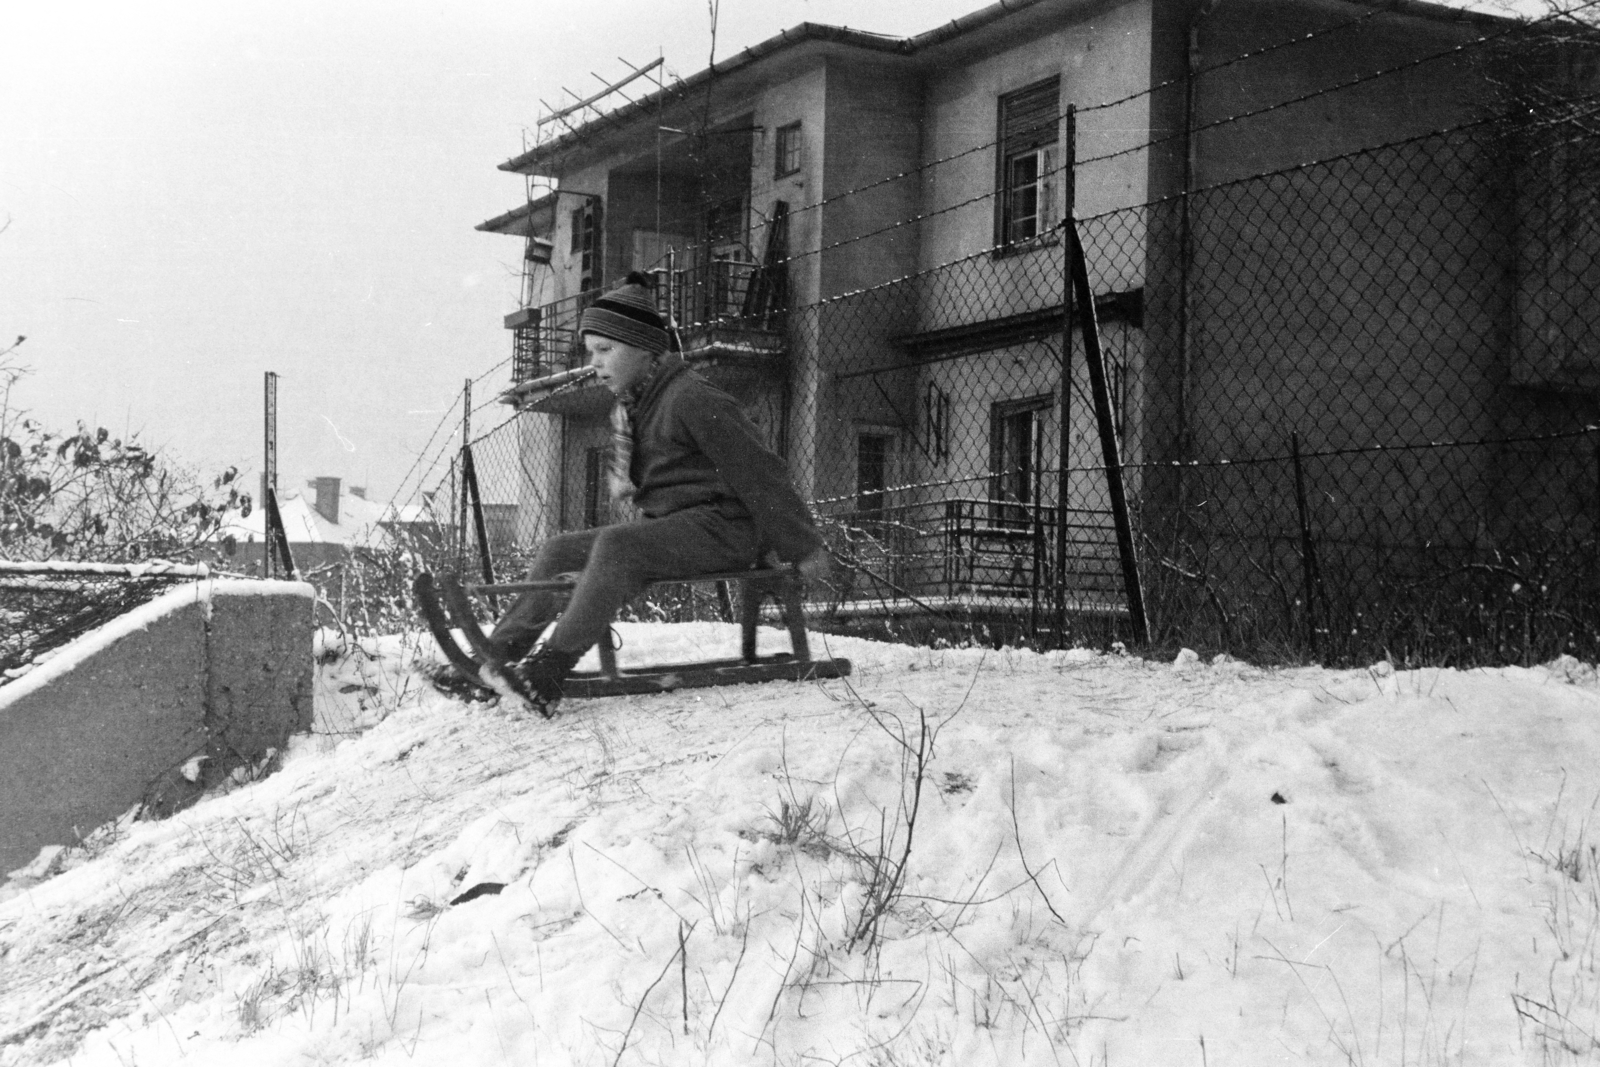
780, 583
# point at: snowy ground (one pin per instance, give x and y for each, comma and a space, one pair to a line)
1110, 862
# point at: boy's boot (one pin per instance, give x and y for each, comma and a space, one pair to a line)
543, 672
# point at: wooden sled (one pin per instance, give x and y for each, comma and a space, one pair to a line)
782, 584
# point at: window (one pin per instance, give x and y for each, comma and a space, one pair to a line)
585, 223
872, 472
1029, 133
1016, 445
786, 156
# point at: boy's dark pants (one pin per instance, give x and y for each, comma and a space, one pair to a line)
617, 564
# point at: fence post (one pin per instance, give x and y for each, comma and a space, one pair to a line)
1108, 438
469, 478
1308, 548
272, 524
463, 505
1595, 536
1064, 445
278, 538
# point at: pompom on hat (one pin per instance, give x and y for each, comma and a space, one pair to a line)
627, 314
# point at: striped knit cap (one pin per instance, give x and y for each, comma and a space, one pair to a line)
627, 314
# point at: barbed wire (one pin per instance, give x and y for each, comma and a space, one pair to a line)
1192, 464
1242, 57
1362, 79
986, 145
504, 362
422, 455
1232, 61
1149, 143
1037, 242
508, 420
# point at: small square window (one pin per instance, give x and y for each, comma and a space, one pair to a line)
786, 156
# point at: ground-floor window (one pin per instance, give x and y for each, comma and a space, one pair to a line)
1016, 444
872, 472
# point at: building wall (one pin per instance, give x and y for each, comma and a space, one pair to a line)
800, 97
1358, 302
871, 131
566, 268
1412, 101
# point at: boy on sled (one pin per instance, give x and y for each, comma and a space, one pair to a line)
712, 497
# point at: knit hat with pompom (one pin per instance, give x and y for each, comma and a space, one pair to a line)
627, 314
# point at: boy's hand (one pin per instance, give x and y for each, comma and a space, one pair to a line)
818, 567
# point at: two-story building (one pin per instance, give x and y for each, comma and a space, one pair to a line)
859, 237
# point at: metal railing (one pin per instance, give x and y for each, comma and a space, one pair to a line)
545, 339
725, 289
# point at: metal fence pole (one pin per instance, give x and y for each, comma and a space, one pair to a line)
278, 537
1108, 438
272, 524
469, 479
1064, 444
463, 505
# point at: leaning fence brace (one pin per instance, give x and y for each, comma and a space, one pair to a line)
1094, 360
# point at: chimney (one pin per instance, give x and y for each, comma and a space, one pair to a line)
358, 491
327, 498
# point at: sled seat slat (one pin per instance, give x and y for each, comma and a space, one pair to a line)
780, 583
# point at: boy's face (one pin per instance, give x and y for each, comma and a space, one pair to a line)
619, 366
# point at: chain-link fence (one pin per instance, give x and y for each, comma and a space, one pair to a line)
1352, 408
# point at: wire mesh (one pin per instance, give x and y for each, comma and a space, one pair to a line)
1353, 401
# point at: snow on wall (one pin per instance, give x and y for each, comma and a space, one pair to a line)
204, 677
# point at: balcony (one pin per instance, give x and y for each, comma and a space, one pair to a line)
730, 319
546, 353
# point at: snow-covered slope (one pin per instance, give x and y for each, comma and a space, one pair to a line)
1110, 862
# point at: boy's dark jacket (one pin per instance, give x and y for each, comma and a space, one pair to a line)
692, 445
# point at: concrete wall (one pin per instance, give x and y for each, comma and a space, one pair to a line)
217, 669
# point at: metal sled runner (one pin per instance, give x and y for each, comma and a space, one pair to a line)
782, 584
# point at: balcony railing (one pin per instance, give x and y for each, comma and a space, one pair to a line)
719, 307
724, 290
545, 339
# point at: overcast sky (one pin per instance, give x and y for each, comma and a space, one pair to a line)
197, 193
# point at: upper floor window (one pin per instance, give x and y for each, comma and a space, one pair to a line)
1029, 136
786, 154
